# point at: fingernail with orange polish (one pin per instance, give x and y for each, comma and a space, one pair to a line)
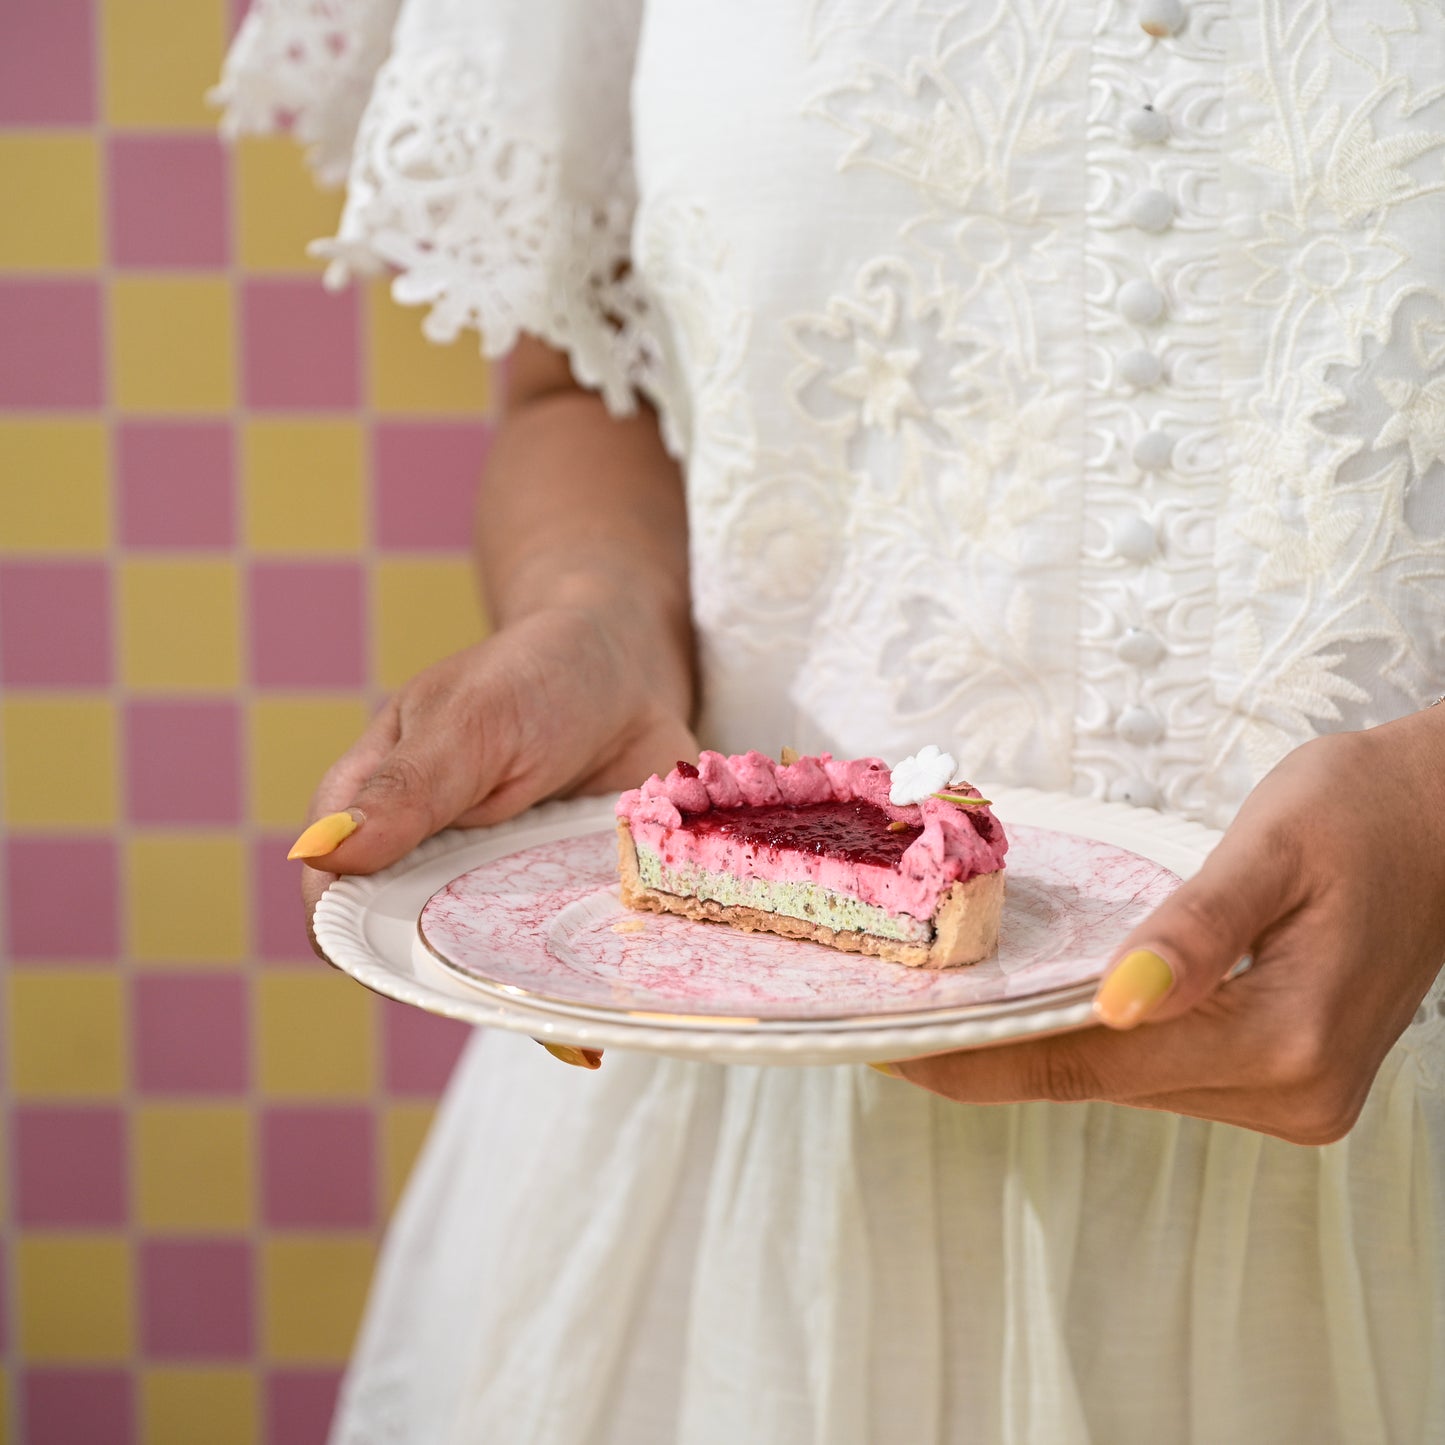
582, 1058
886, 1069
325, 834
1138, 984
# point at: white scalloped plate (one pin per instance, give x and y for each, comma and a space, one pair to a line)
369, 928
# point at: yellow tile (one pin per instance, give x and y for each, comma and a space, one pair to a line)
317, 1036
293, 742
313, 1288
282, 210
217, 1406
67, 1034
180, 626
187, 898
171, 343
403, 1131
160, 58
424, 610
58, 762
75, 1294
303, 486
54, 489
57, 228
192, 1166
411, 374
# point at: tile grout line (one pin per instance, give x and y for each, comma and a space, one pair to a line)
374, 696
110, 415
10, 1153
244, 696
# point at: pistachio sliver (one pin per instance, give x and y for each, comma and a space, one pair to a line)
962, 800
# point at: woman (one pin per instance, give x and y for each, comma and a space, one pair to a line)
1061, 383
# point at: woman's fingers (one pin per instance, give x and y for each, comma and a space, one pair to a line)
1191, 943
417, 767
573, 1054
341, 781
1166, 971
1090, 1064
421, 786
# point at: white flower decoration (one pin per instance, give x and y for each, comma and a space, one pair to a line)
928, 771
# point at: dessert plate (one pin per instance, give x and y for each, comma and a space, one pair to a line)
519, 927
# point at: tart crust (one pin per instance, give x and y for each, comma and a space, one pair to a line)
965, 926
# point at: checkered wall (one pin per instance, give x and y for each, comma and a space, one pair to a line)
233, 512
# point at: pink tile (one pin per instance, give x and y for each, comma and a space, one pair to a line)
69, 1166
62, 897
318, 1167
196, 1299
169, 201
190, 1035
59, 362
420, 1049
4, 1295
47, 62
426, 483
55, 624
302, 345
77, 1407
299, 1406
177, 484
183, 762
308, 624
279, 921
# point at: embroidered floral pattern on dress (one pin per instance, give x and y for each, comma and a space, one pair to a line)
930, 376
1333, 563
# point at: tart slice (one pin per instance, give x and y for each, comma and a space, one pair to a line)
902, 865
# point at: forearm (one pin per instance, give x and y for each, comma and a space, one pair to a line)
580, 509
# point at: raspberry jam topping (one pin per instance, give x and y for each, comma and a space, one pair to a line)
857, 832
686, 770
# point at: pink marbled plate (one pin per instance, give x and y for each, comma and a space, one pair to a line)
542, 923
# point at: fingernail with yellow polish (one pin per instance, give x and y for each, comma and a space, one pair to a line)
1136, 987
325, 834
886, 1069
582, 1058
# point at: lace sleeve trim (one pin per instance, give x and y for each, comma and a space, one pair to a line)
306, 66
474, 219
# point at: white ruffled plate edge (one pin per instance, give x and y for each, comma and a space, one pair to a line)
367, 926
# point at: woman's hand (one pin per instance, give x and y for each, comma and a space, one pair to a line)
555, 704
1333, 878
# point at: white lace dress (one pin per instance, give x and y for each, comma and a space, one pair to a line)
1066, 394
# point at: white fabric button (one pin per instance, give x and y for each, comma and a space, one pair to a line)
1139, 648
1141, 301
1161, 17
1147, 125
1151, 210
1134, 539
1140, 368
1139, 792
1139, 726
1154, 451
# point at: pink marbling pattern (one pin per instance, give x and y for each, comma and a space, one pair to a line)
541, 921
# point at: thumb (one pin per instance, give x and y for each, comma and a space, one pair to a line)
417, 789
1197, 937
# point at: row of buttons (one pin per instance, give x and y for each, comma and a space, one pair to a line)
1142, 303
